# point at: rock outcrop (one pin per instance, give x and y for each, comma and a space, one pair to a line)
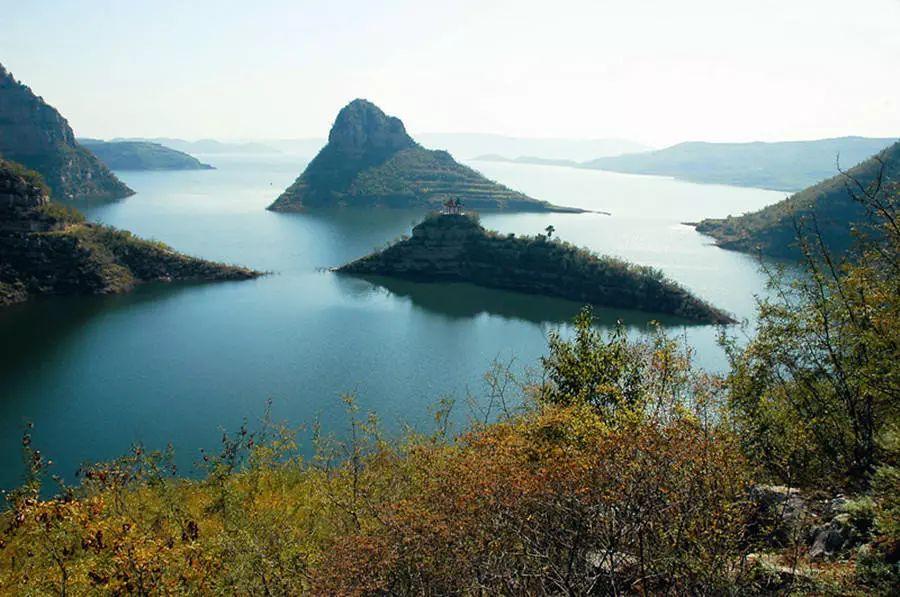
49, 249
456, 248
35, 135
141, 155
370, 160
829, 205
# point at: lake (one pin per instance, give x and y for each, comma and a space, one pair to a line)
180, 362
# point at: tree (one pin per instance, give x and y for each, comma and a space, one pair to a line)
816, 392
550, 230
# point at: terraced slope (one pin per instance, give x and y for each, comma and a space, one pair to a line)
370, 161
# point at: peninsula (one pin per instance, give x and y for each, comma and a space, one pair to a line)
50, 249
142, 155
34, 134
371, 161
455, 247
771, 231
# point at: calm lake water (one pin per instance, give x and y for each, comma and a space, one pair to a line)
177, 363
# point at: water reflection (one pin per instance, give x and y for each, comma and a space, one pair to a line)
464, 301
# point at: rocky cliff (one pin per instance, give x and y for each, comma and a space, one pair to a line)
34, 134
48, 249
370, 160
456, 248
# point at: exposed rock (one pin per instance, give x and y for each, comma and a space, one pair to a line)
781, 514
455, 248
34, 134
47, 249
370, 160
830, 538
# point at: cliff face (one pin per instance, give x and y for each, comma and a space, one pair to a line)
370, 160
34, 134
456, 248
771, 230
47, 249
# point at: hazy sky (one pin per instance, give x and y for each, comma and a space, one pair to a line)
658, 72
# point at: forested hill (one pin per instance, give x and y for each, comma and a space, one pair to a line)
456, 248
772, 231
783, 166
141, 155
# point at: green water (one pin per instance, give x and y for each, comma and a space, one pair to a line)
177, 363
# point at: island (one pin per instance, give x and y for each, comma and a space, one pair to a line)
34, 134
772, 230
370, 161
453, 247
141, 155
51, 249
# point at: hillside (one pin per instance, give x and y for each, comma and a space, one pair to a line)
771, 230
370, 161
784, 166
455, 248
142, 155
34, 134
48, 249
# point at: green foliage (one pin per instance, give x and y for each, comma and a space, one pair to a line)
62, 214
829, 209
31, 177
817, 390
142, 155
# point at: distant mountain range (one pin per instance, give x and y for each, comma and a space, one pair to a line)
203, 145
463, 145
469, 145
771, 230
370, 160
141, 155
782, 166
34, 134
527, 159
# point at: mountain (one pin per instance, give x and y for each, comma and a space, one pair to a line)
49, 249
468, 145
203, 145
525, 159
141, 155
783, 166
456, 248
370, 160
34, 134
771, 230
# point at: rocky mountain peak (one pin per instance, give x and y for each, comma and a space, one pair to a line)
34, 134
362, 128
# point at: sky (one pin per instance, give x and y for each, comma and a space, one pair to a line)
653, 71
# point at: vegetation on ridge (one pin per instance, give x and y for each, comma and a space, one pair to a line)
370, 160
141, 155
829, 207
449, 247
616, 468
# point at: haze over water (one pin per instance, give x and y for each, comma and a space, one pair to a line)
177, 363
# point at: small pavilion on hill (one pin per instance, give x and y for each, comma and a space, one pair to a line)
452, 207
